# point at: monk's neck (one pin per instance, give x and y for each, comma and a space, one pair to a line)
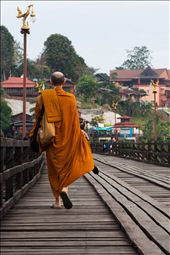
59, 87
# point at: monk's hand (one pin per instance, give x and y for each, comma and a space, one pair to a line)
85, 134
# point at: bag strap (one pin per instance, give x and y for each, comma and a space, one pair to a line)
38, 125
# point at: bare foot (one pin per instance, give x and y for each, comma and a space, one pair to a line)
56, 206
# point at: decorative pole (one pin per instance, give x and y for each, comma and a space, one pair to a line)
114, 106
155, 85
25, 30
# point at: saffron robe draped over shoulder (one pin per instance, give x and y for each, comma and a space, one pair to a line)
70, 156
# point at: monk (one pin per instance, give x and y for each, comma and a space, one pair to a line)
69, 156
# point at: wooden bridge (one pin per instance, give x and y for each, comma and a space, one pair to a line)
124, 210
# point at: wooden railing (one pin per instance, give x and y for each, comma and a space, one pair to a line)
20, 169
156, 153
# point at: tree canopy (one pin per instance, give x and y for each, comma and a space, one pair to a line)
137, 58
5, 113
92, 90
59, 54
7, 53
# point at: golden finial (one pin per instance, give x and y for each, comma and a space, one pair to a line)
40, 86
114, 105
155, 85
24, 16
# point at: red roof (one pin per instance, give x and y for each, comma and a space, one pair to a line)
125, 124
125, 117
125, 74
17, 82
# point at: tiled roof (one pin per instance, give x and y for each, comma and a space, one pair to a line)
17, 82
124, 75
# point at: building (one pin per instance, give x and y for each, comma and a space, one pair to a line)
141, 80
16, 106
126, 129
14, 87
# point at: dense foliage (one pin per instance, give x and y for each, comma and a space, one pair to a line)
90, 89
5, 113
59, 54
134, 109
7, 53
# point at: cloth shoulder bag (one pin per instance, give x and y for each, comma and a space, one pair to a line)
46, 132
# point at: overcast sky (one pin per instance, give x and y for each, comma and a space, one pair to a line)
100, 31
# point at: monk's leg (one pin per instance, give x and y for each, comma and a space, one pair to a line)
65, 189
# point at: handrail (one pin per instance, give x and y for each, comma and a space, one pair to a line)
20, 169
153, 152
14, 152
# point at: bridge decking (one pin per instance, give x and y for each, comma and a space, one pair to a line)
126, 191
32, 227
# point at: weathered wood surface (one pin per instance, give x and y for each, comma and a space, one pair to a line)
32, 227
14, 152
149, 179
91, 226
20, 169
136, 211
16, 181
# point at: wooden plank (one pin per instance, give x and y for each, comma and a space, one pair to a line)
32, 227
136, 195
154, 231
151, 211
71, 250
135, 233
127, 170
145, 186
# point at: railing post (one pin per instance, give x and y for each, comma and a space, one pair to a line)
168, 153
155, 152
9, 188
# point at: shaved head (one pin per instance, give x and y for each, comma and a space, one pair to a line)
57, 78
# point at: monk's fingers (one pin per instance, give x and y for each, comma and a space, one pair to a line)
85, 134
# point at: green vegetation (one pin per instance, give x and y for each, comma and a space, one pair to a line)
92, 91
137, 58
7, 53
59, 54
97, 119
5, 113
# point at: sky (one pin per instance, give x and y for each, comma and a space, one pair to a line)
101, 31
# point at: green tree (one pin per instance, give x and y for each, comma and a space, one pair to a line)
162, 129
5, 113
34, 70
59, 54
7, 53
137, 58
134, 109
97, 119
87, 87
107, 93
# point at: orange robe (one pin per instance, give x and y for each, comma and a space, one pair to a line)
70, 156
